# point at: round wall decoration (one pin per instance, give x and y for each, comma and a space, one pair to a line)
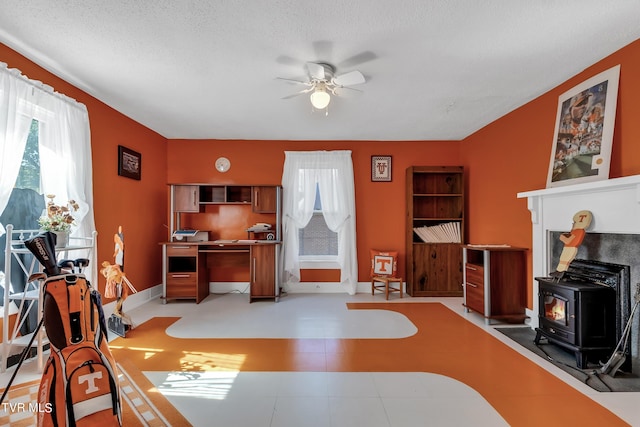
223, 164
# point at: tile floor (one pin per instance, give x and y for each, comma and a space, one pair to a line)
322, 398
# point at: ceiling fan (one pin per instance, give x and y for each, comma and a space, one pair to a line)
323, 82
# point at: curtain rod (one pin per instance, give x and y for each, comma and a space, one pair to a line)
38, 85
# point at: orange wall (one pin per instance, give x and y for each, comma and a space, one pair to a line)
508, 156
139, 206
380, 206
512, 155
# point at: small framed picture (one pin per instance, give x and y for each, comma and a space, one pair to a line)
381, 168
129, 163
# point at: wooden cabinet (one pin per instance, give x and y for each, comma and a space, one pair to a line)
265, 199
186, 273
495, 282
263, 272
186, 198
435, 208
436, 270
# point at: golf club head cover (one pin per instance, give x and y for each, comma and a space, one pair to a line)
42, 247
81, 263
66, 264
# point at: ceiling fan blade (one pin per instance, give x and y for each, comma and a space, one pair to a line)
347, 92
358, 59
302, 82
302, 92
349, 79
316, 71
288, 60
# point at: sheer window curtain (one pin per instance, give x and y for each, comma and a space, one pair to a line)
64, 139
332, 172
16, 112
65, 158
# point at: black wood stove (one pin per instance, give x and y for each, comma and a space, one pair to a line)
582, 310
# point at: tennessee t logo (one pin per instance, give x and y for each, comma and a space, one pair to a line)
90, 379
382, 262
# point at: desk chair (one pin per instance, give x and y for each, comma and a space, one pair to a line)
383, 273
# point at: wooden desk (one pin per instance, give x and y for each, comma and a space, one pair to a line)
185, 267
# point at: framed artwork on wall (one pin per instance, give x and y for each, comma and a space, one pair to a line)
381, 168
584, 131
129, 163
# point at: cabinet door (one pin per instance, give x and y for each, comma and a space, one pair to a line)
437, 270
185, 198
263, 271
265, 199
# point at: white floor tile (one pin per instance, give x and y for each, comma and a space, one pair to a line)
357, 412
417, 412
400, 384
303, 384
351, 384
301, 412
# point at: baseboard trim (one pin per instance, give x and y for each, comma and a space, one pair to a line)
299, 288
136, 299
139, 298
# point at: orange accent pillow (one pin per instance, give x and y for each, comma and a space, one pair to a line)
383, 263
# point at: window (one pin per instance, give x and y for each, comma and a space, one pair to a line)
29, 176
318, 245
26, 202
324, 179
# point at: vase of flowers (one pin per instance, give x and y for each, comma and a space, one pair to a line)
58, 220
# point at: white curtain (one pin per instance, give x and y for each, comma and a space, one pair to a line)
64, 139
332, 173
65, 159
16, 112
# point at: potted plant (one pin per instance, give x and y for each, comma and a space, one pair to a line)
58, 220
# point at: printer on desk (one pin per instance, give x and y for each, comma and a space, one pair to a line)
261, 231
191, 235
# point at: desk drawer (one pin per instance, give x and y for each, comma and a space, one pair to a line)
475, 274
182, 250
181, 291
474, 296
182, 279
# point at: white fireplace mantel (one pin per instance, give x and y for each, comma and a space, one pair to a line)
614, 203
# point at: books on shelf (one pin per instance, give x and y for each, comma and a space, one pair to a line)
448, 232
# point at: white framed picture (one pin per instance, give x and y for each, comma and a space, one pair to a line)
584, 131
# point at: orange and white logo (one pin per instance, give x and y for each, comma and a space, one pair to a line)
90, 379
383, 264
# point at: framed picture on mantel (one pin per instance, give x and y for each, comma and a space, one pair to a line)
584, 131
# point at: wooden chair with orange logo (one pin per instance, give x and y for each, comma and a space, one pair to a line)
383, 273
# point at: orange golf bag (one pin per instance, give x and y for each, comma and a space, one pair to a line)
79, 385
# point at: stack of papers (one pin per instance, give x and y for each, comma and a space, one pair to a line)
448, 232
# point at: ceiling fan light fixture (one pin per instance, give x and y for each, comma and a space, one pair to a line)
320, 99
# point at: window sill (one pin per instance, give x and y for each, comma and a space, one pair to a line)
319, 265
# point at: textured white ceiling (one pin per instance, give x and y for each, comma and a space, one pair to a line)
436, 70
